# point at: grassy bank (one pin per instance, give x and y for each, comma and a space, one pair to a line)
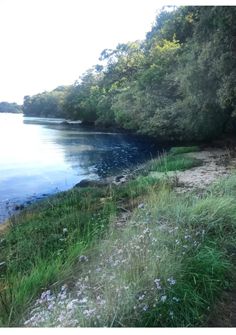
165, 266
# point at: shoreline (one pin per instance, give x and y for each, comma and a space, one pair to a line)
209, 153
112, 213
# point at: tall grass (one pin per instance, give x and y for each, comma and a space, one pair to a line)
44, 242
165, 267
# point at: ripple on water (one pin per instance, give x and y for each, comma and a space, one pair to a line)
44, 156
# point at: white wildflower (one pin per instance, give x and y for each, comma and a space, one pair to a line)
83, 258
117, 262
83, 300
141, 297
157, 282
62, 295
187, 237
50, 306
45, 295
145, 308
163, 298
175, 299
102, 302
63, 288
89, 312
171, 281
70, 306
141, 206
74, 301
146, 231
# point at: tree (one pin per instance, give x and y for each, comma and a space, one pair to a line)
178, 84
46, 104
7, 107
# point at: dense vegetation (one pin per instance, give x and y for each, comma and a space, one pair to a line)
7, 107
46, 104
177, 84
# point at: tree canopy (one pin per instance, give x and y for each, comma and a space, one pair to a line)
10, 107
177, 84
46, 104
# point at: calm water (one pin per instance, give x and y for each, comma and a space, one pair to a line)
42, 156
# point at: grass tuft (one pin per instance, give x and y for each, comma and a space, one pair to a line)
183, 150
173, 163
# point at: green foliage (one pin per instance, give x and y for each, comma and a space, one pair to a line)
46, 104
176, 85
82, 99
7, 107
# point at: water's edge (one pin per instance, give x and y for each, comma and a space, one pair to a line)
41, 157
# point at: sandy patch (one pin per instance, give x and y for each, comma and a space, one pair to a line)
216, 163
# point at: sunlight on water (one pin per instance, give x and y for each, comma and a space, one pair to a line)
24, 147
40, 156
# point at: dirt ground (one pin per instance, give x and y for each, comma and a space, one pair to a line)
216, 163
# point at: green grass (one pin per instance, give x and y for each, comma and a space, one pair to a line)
172, 236
44, 242
173, 163
179, 240
183, 150
38, 251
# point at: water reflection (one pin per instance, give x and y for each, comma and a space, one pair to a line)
46, 155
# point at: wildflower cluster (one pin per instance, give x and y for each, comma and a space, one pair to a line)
127, 276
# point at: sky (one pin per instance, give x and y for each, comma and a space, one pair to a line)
48, 43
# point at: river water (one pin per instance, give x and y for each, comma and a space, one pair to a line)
41, 156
